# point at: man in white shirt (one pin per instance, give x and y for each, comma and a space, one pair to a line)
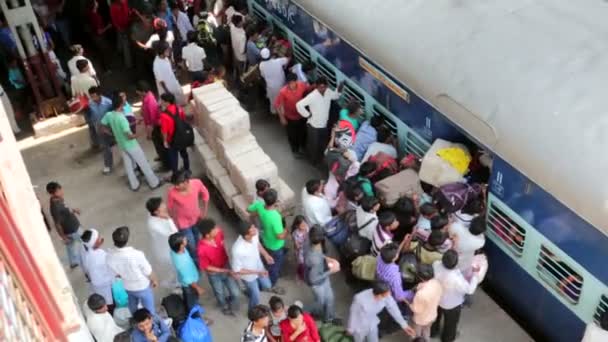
367, 218
99, 321
467, 241
455, 288
247, 263
166, 82
316, 207
78, 52
273, 72
132, 266
385, 144
318, 103
194, 56
595, 333
160, 227
181, 21
238, 38
83, 81
95, 267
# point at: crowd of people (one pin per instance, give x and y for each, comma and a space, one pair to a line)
423, 255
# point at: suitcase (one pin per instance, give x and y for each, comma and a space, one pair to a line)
404, 183
437, 171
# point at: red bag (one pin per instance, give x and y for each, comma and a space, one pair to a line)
78, 104
385, 165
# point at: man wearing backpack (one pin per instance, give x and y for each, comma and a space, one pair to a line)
177, 134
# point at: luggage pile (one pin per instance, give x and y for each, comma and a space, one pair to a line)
232, 158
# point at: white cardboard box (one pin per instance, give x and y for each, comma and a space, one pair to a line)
227, 190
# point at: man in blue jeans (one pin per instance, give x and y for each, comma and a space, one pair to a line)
132, 266
247, 263
99, 105
66, 222
213, 259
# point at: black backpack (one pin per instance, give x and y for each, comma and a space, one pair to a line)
183, 135
176, 308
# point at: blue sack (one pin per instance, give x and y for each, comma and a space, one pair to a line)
194, 328
121, 298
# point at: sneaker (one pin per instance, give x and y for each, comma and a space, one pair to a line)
106, 170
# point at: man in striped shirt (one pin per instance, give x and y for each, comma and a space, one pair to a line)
387, 271
383, 234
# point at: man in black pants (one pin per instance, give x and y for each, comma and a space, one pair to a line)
294, 123
456, 287
317, 114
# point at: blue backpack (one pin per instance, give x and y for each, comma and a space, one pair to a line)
194, 328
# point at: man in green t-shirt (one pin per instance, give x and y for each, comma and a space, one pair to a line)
273, 231
115, 123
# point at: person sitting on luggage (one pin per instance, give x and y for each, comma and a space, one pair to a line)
367, 217
388, 271
429, 249
383, 234
256, 330
299, 326
386, 144
362, 178
438, 223
149, 328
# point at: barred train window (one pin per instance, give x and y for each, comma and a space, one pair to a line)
559, 275
508, 231
352, 94
388, 122
601, 308
301, 52
323, 69
258, 14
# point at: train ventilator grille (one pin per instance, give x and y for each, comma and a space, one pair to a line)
559, 275
323, 69
17, 321
511, 234
601, 308
352, 94
301, 52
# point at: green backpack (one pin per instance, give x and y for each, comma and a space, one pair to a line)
333, 333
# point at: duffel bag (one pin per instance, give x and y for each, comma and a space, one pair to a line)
453, 197
437, 171
404, 183
355, 246
333, 333
364, 267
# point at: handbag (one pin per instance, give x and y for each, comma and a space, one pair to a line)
364, 267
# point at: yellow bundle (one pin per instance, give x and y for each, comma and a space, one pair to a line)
457, 157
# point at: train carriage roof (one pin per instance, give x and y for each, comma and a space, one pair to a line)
525, 77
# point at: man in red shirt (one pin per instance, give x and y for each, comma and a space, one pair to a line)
294, 123
299, 326
213, 259
119, 15
171, 112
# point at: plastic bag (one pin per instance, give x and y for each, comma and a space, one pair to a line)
194, 328
121, 298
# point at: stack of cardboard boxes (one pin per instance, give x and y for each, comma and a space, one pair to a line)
232, 158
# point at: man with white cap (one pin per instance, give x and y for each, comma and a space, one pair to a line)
95, 267
273, 72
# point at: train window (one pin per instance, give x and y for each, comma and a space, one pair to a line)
352, 94
300, 52
377, 111
278, 30
415, 145
602, 307
559, 275
258, 14
323, 69
511, 234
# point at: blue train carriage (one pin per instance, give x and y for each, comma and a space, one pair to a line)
520, 79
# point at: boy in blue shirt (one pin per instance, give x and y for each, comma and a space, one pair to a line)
187, 273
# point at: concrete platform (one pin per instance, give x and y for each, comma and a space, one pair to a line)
106, 203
